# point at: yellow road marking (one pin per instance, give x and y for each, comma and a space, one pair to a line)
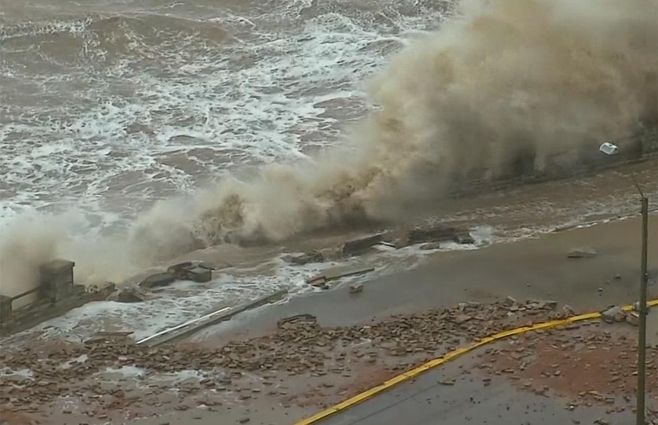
413, 373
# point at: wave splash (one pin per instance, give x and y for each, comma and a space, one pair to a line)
514, 77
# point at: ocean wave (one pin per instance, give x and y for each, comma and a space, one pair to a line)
105, 37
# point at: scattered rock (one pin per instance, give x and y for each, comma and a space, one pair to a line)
617, 276
430, 246
462, 318
318, 281
130, 295
464, 239
295, 320
613, 314
157, 280
633, 318
356, 288
568, 310
244, 420
582, 253
543, 304
510, 301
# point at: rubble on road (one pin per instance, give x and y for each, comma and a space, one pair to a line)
356, 288
633, 318
301, 347
591, 366
129, 294
613, 314
296, 319
582, 253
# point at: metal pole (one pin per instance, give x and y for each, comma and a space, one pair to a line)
642, 337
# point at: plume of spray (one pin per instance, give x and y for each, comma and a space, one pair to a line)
501, 79
505, 77
33, 239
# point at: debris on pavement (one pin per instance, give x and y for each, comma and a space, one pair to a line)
582, 253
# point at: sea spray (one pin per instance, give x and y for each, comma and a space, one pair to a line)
505, 78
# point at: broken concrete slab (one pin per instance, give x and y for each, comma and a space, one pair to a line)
198, 274
436, 233
334, 273
361, 245
188, 328
157, 280
582, 253
305, 258
129, 295
319, 281
178, 270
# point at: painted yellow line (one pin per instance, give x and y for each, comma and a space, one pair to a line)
413, 373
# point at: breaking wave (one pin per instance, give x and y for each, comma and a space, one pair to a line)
514, 77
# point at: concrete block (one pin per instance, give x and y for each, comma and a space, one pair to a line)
361, 245
157, 280
179, 270
196, 272
199, 274
56, 279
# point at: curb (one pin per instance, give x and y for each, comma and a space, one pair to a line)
413, 373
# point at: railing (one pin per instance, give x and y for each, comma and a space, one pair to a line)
26, 293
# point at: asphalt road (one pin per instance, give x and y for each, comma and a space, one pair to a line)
429, 401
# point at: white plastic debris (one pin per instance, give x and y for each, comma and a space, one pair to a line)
609, 148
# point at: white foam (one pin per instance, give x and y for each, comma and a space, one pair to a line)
126, 371
18, 373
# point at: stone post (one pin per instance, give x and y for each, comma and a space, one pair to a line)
56, 279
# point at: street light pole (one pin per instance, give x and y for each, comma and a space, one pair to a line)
611, 149
642, 337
